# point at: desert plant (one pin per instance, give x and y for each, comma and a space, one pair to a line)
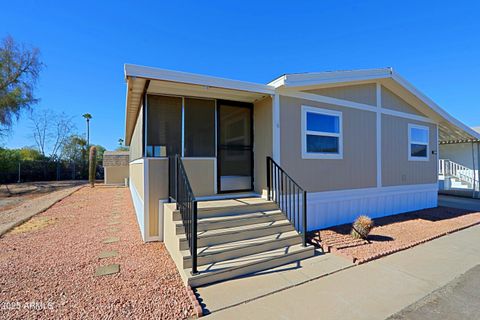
92, 165
362, 227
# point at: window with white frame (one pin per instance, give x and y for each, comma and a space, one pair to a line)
321, 133
418, 141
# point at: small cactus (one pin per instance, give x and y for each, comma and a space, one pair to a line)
362, 227
92, 165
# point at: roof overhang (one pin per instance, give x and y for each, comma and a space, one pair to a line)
141, 80
451, 130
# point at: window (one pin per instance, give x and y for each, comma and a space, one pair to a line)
199, 128
164, 126
418, 139
321, 134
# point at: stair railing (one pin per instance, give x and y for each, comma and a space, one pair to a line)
289, 196
450, 168
180, 191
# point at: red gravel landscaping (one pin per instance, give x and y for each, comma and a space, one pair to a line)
395, 233
48, 264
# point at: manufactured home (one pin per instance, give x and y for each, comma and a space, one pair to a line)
232, 174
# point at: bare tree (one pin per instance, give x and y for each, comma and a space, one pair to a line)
19, 70
50, 131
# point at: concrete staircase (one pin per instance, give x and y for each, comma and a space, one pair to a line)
235, 237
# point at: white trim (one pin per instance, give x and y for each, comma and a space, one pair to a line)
305, 132
197, 79
276, 128
215, 182
379, 134
406, 115
410, 142
137, 161
183, 128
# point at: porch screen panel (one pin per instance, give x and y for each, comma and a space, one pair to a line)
199, 128
164, 126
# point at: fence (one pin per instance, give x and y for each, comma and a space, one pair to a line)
39, 170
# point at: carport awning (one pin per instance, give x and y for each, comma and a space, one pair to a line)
141, 80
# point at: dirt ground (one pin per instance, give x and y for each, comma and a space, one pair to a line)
48, 264
395, 233
14, 194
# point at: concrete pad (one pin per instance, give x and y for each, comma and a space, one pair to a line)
111, 240
236, 291
374, 290
107, 270
459, 202
107, 254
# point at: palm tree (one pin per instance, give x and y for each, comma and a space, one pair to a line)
87, 117
120, 142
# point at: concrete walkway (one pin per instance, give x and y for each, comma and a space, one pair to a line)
459, 202
11, 218
375, 290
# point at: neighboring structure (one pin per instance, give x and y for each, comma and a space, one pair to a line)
359, 142
459, 167
116, 166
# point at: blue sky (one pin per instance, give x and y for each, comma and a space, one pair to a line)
433, 44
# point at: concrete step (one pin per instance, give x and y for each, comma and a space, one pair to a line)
219, 236
219, 271
231, 221
237, 249
208, 212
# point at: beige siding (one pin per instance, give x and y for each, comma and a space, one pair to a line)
357, 169
136, 149
391, 101
362, 93
136, 177
396, 168
158, 190
262, 144
201, 174
116, 174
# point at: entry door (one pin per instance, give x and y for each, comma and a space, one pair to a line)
235, 146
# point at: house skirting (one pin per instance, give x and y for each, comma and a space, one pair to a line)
330, 208
139, 208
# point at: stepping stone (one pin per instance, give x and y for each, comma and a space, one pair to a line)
107, 254
111, 223
108, 269
111, 240
116, 213
113, 229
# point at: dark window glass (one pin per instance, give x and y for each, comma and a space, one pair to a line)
418, 150
323, 122
164, 126
199, 128
322, 144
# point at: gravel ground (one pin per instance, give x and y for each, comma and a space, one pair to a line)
48, 267
395, 233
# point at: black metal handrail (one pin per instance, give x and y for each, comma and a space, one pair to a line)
290, 197
180, 191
